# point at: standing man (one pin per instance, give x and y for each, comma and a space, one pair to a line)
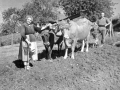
102, 23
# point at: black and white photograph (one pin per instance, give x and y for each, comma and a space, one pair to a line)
59, 44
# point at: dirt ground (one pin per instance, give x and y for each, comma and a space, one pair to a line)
99, 69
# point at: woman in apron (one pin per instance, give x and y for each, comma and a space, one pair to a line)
28, 44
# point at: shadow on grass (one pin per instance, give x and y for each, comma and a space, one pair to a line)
55, 54
20, 64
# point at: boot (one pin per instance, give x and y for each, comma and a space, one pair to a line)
26, 65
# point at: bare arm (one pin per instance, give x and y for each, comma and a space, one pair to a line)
108, 22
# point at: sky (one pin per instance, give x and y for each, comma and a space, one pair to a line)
117, 7
5, 4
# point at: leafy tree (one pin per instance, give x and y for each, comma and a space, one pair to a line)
87, 8
41, 10
7, 13
45, 10
7, 28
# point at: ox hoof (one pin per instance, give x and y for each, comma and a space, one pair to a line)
87, 51
72, 57
82, 51
35, 60
65, 57
27, 67
101, 46
51, 60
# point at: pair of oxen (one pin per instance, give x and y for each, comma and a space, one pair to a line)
69, 32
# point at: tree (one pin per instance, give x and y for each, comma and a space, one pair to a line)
7, 13
87, 8
41, 10
7, 27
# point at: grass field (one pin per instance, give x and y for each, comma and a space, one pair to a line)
99, 69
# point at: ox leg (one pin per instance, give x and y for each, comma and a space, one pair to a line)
49, 52
59, 48
46, 48
83, 45
51, 41
87, 45
66, 52
73, 49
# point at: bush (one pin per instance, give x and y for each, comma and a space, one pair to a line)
7, 40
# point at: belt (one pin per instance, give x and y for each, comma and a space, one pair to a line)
101, 25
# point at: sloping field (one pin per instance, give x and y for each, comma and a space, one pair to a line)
99, 69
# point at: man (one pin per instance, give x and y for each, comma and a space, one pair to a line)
102, 23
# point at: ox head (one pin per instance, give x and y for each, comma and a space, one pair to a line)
94, 26
64, 24
55, 28
50, 28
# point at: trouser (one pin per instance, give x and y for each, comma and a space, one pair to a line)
102, 31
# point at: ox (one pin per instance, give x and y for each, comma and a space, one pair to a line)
74, 31
50, 37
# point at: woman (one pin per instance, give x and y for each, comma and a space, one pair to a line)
28, 44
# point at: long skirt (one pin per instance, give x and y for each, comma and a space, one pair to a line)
27, 52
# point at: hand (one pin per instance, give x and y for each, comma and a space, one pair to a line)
106, 25
29, 44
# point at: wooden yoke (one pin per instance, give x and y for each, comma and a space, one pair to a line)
110, 28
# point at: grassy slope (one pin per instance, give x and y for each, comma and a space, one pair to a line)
99, 69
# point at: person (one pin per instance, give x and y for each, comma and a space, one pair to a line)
94, 32
28, 44
102, 23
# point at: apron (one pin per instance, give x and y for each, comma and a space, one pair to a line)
27, 52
